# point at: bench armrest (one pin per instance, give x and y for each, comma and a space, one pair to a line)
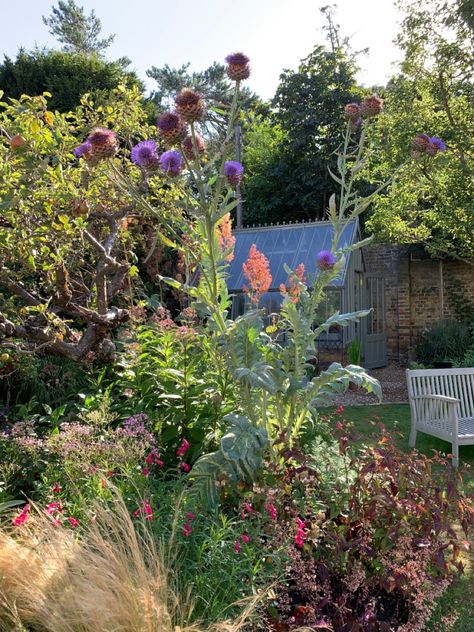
441, 398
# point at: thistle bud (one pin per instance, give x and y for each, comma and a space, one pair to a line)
371, 106
190, 105
238, 67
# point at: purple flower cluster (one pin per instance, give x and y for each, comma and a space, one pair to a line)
325, 260
233, 172
145, 155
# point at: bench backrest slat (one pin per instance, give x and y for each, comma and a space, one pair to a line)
458, 383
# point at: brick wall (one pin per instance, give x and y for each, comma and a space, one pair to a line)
418, 293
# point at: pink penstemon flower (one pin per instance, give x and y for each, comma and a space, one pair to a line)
187, 529
300, 536
185, 466
73, 522
22, 517
183, 448
145, 471
56, 489
237, 546
271, 510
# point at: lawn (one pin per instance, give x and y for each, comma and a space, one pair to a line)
455, 610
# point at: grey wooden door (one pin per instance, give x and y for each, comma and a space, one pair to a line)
374, 337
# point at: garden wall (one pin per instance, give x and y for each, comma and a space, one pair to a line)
419, 291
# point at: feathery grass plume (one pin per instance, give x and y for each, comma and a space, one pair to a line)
111, 577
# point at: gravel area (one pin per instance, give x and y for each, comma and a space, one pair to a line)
394, 388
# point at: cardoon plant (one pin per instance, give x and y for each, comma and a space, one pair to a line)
277, 391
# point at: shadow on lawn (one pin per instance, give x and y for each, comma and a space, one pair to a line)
455, 609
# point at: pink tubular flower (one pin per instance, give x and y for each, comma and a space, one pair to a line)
237, 547
340, 410
300, 536
190, 516
148, 510
56, 489
145, 471
271, 510
52, 507
245, 538
183, 448
185, 467
137, 512
73, 522
187, 529
22, 517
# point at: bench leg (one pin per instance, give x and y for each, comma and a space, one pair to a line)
455, 451
412, 439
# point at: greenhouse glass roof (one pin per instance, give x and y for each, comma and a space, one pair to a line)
291, 244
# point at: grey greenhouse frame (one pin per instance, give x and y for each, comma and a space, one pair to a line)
353, 289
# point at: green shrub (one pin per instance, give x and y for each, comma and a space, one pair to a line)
447, 340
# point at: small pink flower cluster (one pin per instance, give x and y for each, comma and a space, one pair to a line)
300, 533
153, 458
271, 510
245, 539
145, 510
54, 510
180, 452
187, 528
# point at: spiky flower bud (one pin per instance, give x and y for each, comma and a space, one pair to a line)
102, 144
420, 143
171, 128
371, 106
352, 112
238, 67
190, 105
435, 144
188, 147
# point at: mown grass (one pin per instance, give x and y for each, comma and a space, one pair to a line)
455, 610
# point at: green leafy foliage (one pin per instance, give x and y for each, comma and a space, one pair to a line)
447, 340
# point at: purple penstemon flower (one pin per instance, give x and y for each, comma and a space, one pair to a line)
233, 171
144, 154
171, 162
325, 260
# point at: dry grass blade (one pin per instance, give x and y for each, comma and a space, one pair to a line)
110, 579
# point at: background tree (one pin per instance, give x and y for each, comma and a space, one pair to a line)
77, 31
66, 75
433, 94
294, 182
212, 83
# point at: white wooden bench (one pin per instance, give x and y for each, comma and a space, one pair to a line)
442, 405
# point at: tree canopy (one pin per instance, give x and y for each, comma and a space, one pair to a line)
78, 32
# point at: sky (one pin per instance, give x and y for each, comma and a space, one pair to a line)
275, 34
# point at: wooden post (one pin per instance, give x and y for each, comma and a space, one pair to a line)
238, 151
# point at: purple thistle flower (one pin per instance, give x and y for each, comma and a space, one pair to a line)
172, 162
325, 260
144, 154
82, 150
237, 58
438, 143
233, 171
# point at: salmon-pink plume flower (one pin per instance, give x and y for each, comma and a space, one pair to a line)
144, 154
238, 67
233, 172
190, 105
83, 150
189, 149
187, 529
257, 273
225, 238
22, 517
73, 522
171, 162
245, 538
325, 260
237, 546
171, 128
371, 106
352, 112
183, 448
294, 289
